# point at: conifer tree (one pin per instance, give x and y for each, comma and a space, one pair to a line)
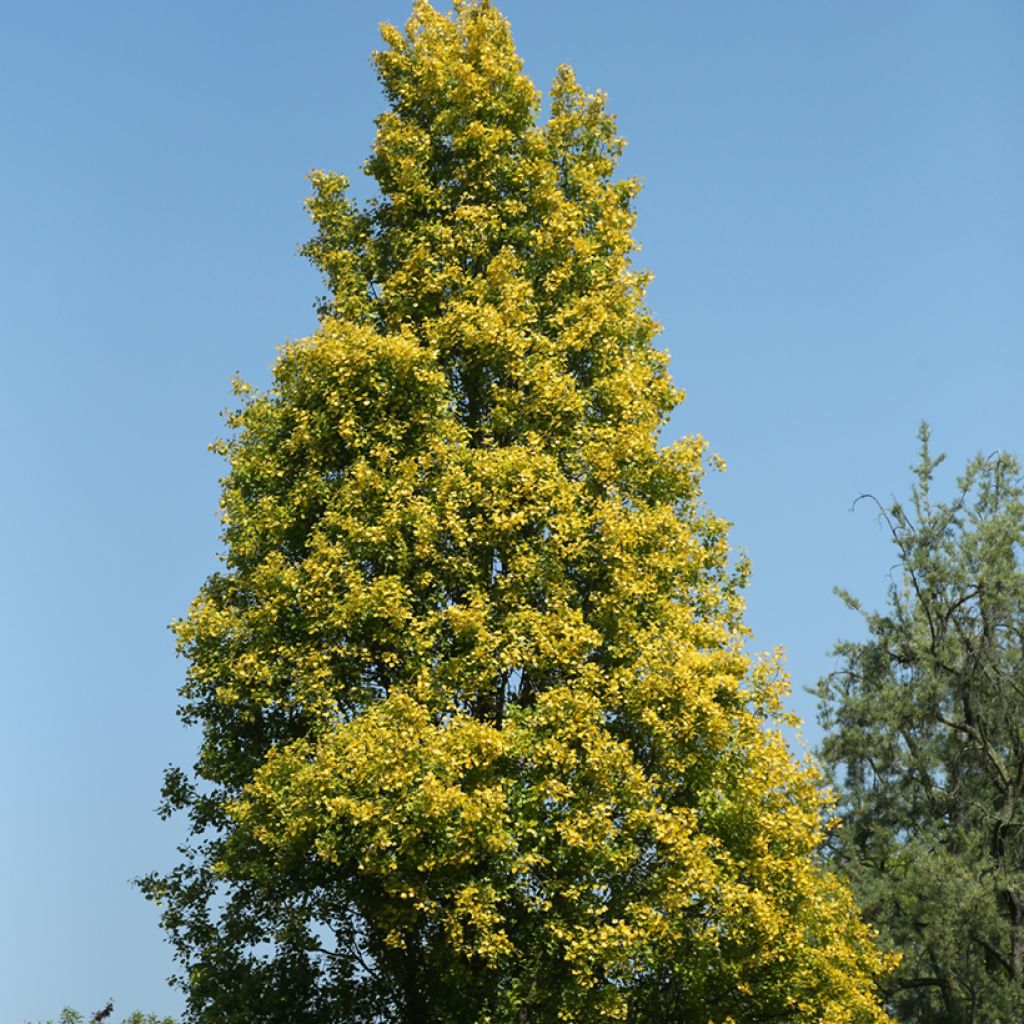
924, 735
480, 739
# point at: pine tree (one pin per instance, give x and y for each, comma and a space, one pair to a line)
480, 739
925, 738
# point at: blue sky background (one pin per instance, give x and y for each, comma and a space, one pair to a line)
834, 215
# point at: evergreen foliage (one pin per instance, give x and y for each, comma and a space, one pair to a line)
925, 739
480, 739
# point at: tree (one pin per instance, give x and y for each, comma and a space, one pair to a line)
924, 729
480, 741
70, 1016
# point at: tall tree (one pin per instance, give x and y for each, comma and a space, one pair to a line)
480, 741
925, 739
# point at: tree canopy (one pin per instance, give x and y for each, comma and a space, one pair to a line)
480, 738
72, 1016
925, 738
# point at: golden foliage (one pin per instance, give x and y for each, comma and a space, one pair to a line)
475, 665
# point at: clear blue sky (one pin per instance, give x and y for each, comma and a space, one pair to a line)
834, 213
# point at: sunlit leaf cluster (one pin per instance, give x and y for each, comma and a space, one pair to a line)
480, 739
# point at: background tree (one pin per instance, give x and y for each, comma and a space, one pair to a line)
924, 729
70, 1016
480, 741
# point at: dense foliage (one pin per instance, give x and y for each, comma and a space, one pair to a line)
480, 739
925, 736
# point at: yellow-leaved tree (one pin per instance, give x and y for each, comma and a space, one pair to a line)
481, 744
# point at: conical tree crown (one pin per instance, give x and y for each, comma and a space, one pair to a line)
481, 743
